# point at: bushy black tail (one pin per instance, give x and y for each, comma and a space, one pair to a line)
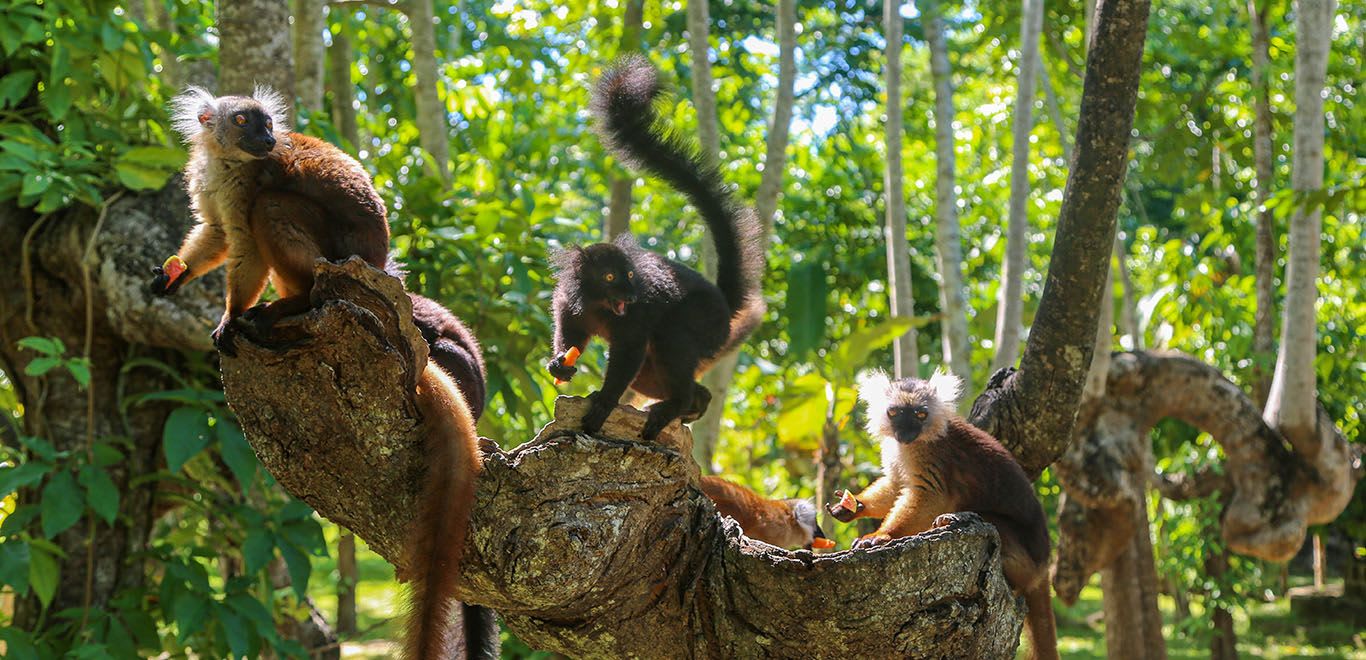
628, 125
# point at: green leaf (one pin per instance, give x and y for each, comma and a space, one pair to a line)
46, 345
236, 452
140, 177
100, 492
80, 370
57, 99
41, 365
806, 297
42, 574
15, 86
18, 644
189, 612
20, 476
40, 447
61, 503
258, 549
239, 640
165, 158
299, 568
14, 561
186, 433
852, 354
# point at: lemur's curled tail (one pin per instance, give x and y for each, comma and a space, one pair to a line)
628, 125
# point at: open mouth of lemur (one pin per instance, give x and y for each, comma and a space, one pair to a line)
618, 307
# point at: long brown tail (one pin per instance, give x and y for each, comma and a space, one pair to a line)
438, 535
1043, 632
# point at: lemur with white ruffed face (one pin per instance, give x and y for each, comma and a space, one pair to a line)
935, 463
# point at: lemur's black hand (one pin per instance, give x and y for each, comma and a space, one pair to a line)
560, 370
840, 510
162, 284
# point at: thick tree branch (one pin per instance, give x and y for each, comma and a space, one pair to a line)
1271, 494
1033, 410
592, 546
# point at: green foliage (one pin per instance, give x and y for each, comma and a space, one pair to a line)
86, 105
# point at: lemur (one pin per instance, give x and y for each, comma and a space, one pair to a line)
935, 463
789, 523
665, 323
272, 202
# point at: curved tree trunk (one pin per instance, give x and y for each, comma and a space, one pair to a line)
707, 430
431, 110
619, 203
1010, 296
898, 251
1289, 405
953, 301
591, 546
309, 22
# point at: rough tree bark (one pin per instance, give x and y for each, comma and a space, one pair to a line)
1289, 405
953, 301
1264, 321
707, 430
310, 20
250, 37
591, 546
1021, 408
431, 110
898, 250
1010, 296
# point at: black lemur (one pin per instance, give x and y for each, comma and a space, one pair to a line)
664, 322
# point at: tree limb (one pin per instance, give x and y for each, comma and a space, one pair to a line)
591, 545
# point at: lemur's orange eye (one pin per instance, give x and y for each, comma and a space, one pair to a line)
241, 120
893, 412
609, 277
270, 123
630, 274
921, 415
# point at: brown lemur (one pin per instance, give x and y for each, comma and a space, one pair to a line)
936, 463
271, 203
665, 323
789, 523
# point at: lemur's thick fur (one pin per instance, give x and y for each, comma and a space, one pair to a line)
271, 203
935, 463
665, 322
789, 523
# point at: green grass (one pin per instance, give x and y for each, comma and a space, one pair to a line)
1265, 630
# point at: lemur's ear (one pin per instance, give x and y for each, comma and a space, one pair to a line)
947, 387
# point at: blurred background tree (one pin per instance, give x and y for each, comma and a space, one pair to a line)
136, 521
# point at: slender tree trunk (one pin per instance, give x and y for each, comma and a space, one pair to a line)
347, 579
1263, 331
431, 110
953, 300
703, 93
1318, 561
898, 251
1010, 296
254, 47
339, 59
309, 22
170, 70
828, 466
709, 136
1223, 642
707, 430
1290, 406
619, 204
1128, 310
